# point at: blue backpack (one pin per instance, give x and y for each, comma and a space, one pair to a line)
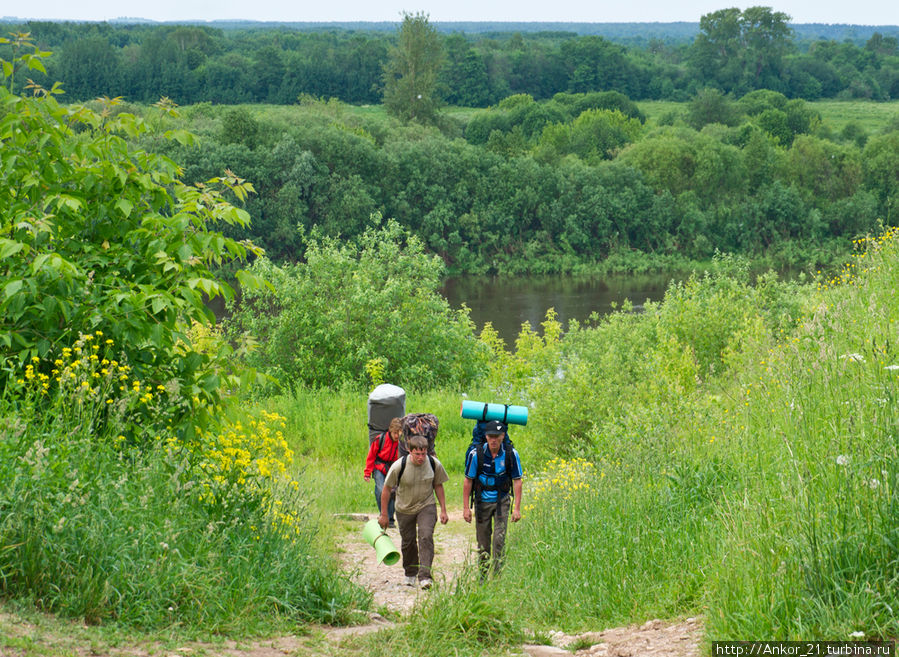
478, 440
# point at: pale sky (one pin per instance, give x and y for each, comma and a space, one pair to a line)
860, 12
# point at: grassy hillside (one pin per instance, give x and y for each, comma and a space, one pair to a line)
744, 468
729, 452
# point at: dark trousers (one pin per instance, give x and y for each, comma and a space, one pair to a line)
417, 534
491, 520
378, 476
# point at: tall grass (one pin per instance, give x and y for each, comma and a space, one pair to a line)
465, 618
156, 533
613, 547
762, 493
818, 506
90, 533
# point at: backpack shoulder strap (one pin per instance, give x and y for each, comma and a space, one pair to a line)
476, 482
399, 475
509, 458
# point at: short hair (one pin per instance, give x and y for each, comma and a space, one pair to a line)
396, 425
417, 442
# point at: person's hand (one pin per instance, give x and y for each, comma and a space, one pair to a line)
444, 518
516, 515
466, 514
382, 520
366, 477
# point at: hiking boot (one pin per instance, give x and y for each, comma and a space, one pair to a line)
426, 583
410, 580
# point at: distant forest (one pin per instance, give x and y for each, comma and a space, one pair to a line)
249, 62
563, 172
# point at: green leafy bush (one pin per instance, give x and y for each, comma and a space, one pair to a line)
98, 236
351, 303
153, 530
593, 136
628, 375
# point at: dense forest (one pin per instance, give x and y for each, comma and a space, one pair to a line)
516, 152
574, 183
736, 52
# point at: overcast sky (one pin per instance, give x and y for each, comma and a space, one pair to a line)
861, 12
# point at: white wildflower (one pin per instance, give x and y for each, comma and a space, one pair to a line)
891, 367
858, 358
857, 635
842, 459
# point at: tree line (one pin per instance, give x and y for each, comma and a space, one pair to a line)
557, 185
734, 51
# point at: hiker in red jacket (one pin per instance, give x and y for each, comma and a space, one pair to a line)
382, 452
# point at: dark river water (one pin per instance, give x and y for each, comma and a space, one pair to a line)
508, 302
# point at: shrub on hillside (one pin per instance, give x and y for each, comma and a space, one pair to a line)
351, 303
96, 235
148, 529
629, 374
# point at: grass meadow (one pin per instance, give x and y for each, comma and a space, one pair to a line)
763, 499
731, 452
835, 114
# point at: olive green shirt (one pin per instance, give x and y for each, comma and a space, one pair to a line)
416, 489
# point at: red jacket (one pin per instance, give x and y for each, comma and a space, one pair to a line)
381, 460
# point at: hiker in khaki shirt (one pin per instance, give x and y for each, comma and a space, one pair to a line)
417, 478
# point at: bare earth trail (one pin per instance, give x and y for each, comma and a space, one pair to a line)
454, 545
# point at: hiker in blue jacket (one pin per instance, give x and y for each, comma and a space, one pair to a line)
492, 471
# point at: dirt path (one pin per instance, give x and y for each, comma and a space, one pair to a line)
454, 546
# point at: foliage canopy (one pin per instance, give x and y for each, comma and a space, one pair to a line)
96, 235
360, 306
411, 74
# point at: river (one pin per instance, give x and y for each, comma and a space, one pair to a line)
508, 302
